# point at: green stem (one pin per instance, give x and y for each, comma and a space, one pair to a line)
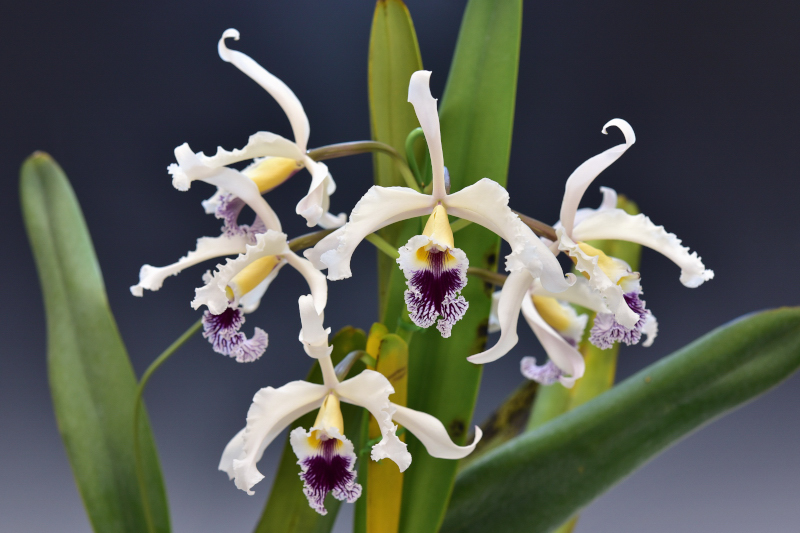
488, 276
137, 407
539, 228
381, 244
333, 151
308, 240
411, 156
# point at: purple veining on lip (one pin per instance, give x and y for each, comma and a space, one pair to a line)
546, 374
434, 291
228, 210
328, 471
606, 330
222, 331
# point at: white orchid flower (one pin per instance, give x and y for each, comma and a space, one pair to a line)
326, 457
625, 317
237, 287
612, 277
434, 267
275, 159
557, 326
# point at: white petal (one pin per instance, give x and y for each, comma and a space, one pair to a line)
313, 335
371, 390
315, 279
314, 205
619, 225
271, 411
564, 356
419, 94
252, 299
191, 167
609, 202
151, 278
432, 434
612, 293
583, 176
486, 203
515, 289
650, 328
213, 293
275, 87
581, 293
379, 207
232, 451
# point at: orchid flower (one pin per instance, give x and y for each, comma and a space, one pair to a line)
326, 457
275, 159
434, 268
557, 326
625, 317
237, 287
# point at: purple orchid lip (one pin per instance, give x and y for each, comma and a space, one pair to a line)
433, 290
228, 210
606, 330
546, 374
329, 471
222, 331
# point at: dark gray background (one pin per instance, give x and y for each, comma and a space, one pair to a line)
109, 89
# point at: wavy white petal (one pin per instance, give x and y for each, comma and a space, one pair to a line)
581, 293
151, 278
233, 450
371, 390
317, 283
191, 167
419, 95
274, 86
486, 203
585, 174
379, 207
313, 334
432, 433
213, 294
270, 413
311, 205
619, 225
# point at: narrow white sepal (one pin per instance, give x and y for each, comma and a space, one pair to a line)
275, 87
419, 95
313, 334
585, 174
151, 278
568, 359
432, 433
514, 291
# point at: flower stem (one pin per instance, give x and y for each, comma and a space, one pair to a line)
487, 275
308, 240
539, 228
333, 151
381, 244
137, 407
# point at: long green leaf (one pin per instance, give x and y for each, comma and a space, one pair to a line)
538, 480
287, 509
477, 116
91, 378
393, 57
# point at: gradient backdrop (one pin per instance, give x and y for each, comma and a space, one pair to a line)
109, 89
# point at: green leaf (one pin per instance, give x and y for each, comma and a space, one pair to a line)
538, 480
287, 509
91, 378
393, 57
477, 115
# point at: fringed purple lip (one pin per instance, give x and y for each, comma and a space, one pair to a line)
434, 291
606, 330
228, 211
222, 331
546, 374
328, 471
